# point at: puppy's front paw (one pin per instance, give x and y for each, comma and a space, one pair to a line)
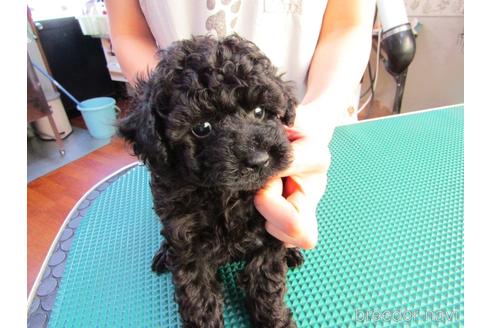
159, 260
294, 257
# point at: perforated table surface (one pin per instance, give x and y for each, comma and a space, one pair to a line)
390, 250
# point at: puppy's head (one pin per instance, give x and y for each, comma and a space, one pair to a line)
213, 112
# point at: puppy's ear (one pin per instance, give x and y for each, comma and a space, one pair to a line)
139, 128
290, 111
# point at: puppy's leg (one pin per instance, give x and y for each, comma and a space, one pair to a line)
198, 294
294, 257
264, 281
159, 261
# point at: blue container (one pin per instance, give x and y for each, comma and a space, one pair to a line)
100, 116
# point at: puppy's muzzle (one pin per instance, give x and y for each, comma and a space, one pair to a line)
257, 160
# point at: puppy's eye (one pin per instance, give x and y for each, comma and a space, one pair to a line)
202, 130
259, 113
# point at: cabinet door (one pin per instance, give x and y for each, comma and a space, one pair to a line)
77, 61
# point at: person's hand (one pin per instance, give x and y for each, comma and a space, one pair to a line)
288, 201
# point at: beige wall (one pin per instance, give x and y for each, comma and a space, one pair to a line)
435, 77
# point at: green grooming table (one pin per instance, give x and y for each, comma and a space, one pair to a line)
390, 250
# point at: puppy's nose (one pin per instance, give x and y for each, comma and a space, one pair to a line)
258, 159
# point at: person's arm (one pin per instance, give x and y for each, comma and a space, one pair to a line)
337, 66
340, 58
132, 39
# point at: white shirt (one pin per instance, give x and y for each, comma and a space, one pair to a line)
285, 30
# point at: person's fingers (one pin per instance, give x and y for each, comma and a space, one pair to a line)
311, 126
306, 208
293, 134
307, 189
305, 239
289, 241
280, 235
289, 206
274, 185
307, 158
277, 210
292, 219
290, 186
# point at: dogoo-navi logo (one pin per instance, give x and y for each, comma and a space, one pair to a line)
405, 315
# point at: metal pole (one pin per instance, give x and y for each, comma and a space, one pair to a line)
400, 87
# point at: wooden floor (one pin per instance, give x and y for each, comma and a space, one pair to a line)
50, 198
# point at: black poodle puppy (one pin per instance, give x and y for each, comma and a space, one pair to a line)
208, 123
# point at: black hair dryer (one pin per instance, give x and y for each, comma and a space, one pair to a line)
398, 44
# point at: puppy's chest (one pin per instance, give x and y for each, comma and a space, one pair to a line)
240, 227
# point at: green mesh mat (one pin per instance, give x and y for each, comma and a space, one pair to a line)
390, 250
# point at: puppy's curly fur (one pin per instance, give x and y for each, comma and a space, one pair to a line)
208, 123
